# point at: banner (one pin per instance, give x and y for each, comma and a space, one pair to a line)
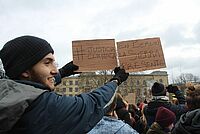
93, 55
133, 55
141, 55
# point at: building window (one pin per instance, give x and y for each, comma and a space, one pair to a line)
70, 95
145, 92
160, 80
64, 82
138, 92
70, 89
131, 90
137, 82
76, 82
64, 89
87, 82
76, 89
70, 82
144, 83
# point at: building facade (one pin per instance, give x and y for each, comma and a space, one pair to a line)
135, 89
69, 86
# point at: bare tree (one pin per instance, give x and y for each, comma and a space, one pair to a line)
89, 81
196, 79
186, 77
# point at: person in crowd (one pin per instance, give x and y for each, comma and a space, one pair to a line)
160, 99
122, 111
164, 122
189, 122
28, 104
141, 123
134, 111
145, 101
110, 124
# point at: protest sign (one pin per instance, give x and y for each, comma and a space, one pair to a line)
93, 55
141, 55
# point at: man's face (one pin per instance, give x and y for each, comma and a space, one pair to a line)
44, 71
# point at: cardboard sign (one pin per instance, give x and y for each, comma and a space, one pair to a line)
93, 55
141, 55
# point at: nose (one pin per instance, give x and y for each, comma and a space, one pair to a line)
54, 69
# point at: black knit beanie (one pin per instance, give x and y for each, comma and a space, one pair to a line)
158, 89
22, 53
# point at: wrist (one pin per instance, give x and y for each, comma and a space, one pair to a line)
116, 81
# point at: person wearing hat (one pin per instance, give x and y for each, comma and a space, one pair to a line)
163, 122
28, 104
189, 122
159, 91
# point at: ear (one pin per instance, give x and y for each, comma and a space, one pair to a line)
25, 74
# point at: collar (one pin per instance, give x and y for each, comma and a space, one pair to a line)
35, 84
160, 97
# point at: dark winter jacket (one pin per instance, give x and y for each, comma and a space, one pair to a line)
189, 123
151, 109
51, 113
14, 99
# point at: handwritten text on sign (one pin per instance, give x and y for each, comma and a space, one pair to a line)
141, 55
92, 55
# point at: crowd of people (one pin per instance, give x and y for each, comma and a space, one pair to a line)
29, 105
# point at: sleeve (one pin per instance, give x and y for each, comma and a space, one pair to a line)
181, 107
84, 111
180, 96
58, 79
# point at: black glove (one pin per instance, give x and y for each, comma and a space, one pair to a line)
120, 75
68, 69
172, 88
116, 69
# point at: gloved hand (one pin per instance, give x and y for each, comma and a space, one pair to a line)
68, 69
120, 75
171, 88
116, 69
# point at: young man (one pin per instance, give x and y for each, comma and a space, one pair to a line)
28, 104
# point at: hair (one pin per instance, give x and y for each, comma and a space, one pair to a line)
193, 99
120, 102
112, 106
132, 109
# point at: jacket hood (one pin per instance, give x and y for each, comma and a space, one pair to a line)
189, 123
14, 99
153, 106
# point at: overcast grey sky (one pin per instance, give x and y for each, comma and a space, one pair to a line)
176, 22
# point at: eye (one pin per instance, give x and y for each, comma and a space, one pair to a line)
47, 62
